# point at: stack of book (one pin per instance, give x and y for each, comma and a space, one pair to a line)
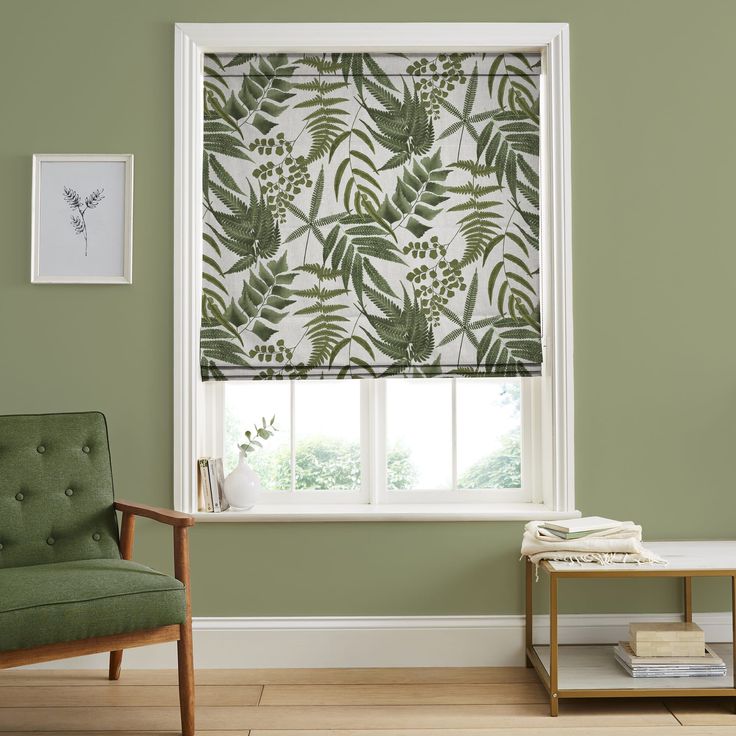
668, 650
211, 487
578, 528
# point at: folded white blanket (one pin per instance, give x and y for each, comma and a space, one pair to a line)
619, 544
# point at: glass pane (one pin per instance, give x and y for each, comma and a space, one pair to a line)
419, 434
488, 433
246, 403
327, 416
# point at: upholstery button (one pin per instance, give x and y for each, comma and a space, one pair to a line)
85, 450
69, 492
96, 537
19, 496
41, 449
50, 541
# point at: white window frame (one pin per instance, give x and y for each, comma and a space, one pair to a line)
196, 405
373, 439
530, 492
215, 393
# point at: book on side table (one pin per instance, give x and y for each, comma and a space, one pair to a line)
577, 528
707, 665
654, 639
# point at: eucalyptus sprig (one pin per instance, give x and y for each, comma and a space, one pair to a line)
262, 431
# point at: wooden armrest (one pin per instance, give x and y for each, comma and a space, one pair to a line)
165, 516
180, 524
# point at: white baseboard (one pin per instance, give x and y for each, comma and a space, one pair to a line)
381, 641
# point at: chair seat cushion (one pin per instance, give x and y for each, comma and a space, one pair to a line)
66, 601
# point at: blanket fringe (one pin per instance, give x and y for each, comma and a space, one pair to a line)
599, 558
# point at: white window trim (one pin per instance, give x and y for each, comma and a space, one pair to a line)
374, 471
428, 497
192, 41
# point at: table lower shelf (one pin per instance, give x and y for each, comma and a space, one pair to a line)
590, 669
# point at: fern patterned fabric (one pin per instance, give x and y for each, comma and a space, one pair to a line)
370, 215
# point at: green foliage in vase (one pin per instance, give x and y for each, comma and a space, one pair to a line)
370, 215
254, 438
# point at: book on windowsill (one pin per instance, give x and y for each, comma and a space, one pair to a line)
218, 473
707, 665
576, 528
204, 492
211, 485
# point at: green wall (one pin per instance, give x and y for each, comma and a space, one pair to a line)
653, 161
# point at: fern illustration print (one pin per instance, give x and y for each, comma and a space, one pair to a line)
81, 207
370, 215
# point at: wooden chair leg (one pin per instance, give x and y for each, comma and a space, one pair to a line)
186, 679
184, 645
127, 535
116, 661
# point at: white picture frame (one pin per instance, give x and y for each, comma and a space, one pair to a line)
82, 219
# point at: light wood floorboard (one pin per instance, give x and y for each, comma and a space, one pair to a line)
435, 694
359, 702
701, 713
563, 731
131, 696
326, 676
330, 717
555, 731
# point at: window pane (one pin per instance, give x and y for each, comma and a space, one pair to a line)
488, 433
246, 404
419, 434
327, 417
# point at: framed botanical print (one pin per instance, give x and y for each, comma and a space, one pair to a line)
82, 219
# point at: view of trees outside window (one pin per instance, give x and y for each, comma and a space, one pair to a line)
419, 433
488, 434
488, 431
323, 463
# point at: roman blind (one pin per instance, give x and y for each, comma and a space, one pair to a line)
370, 215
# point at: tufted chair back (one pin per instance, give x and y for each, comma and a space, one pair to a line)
55, 489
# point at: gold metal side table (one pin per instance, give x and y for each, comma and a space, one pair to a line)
590, 670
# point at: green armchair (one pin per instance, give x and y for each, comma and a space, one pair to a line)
68, 586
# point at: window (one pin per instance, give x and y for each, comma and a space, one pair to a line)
460, 447
319, 443
439, 441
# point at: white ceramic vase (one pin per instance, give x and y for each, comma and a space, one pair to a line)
242, 486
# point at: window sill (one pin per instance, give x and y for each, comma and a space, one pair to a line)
390, 512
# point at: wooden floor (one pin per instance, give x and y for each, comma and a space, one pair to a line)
378, 702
